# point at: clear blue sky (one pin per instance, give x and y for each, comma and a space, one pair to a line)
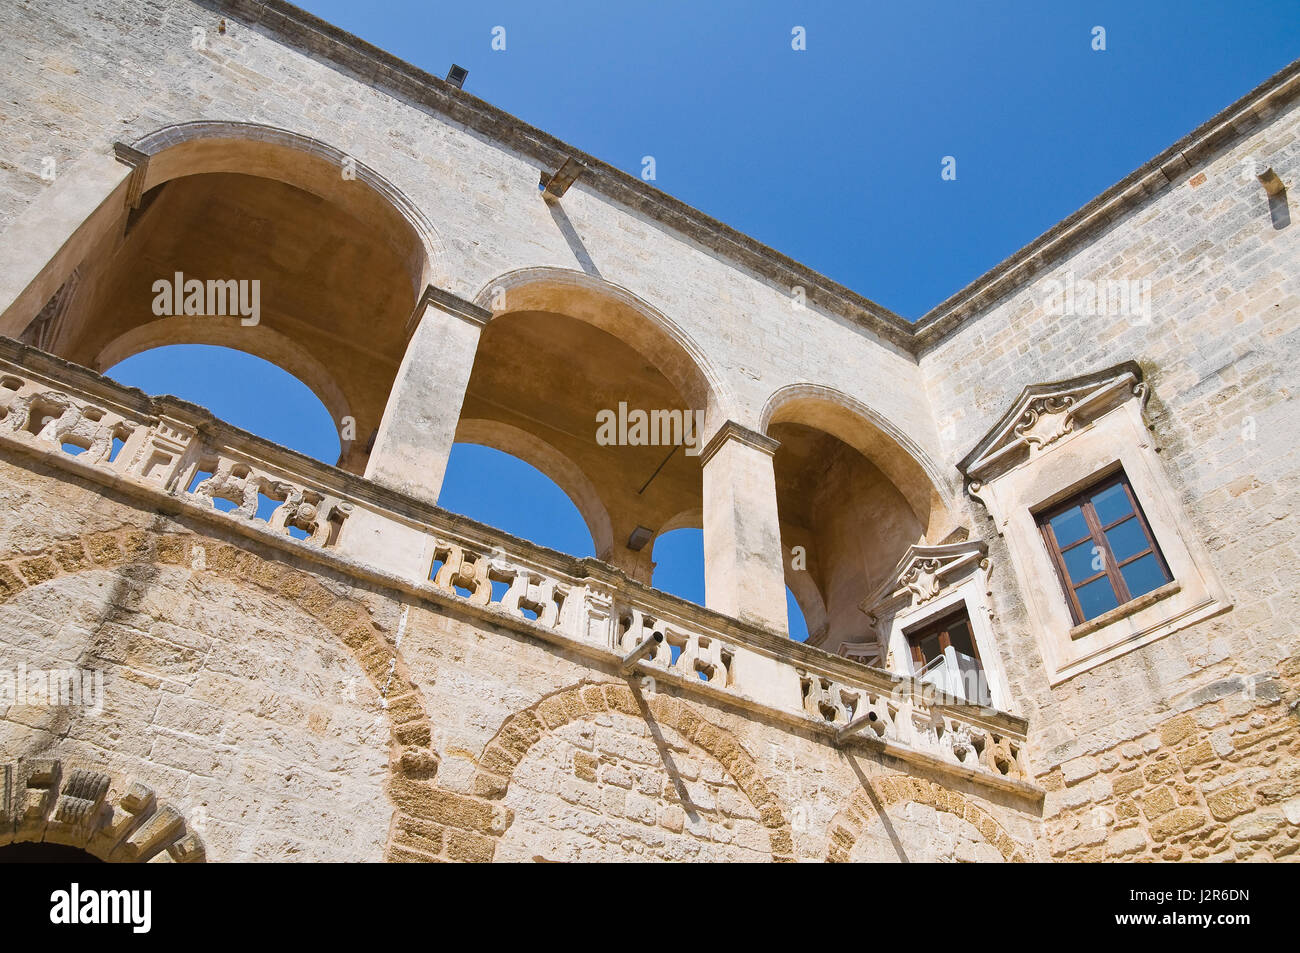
831, 155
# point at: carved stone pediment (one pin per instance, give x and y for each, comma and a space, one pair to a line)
923, 573
1044, 414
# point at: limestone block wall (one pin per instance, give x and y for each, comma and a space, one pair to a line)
286, 712
1219, 351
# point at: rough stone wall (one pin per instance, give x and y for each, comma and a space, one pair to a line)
232, 674
232, 699
1218, 782
243, 686
1221, 351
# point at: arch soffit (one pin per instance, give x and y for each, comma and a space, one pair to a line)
631, 319
205, 146
898, 457
257, 340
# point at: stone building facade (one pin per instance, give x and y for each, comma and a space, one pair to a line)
212, 647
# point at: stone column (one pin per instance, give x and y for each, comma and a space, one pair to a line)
743, 572
419, 423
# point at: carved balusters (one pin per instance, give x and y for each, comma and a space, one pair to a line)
1002, 756
636, 626
683, 651
530, 591
462, 570
59, 420
233, 482
311, 512
319, 516
705, 658
826, 699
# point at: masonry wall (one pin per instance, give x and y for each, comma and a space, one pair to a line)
288, 713
244, 686
1164, 746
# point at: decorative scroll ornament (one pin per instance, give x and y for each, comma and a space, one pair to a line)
922, 580
1043, 415
1046, 421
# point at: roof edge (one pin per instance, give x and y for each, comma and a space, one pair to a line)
335, 46
1169, 167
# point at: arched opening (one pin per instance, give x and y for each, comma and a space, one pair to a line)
496, 488
851, 500
679, 569
266, 400
30, 852
796, 621
594, 388
679, 563
249, 238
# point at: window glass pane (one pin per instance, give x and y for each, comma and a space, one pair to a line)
1097, 597
1083, 561
930, 647
1111, 503
960, 638
1144, 575
1069, 526
1127, 539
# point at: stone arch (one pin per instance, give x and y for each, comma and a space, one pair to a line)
410, 751
873, 435
203, 146
87, 810
344, 255
507, 748
616, 310
807, 595
562, 471
686, 519
259, 341
876, 796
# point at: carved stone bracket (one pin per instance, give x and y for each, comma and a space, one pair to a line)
39, 804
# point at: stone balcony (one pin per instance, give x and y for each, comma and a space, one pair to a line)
176, 458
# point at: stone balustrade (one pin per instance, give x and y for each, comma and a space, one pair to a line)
186, 461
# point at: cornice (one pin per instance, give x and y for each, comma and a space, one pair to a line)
329, 44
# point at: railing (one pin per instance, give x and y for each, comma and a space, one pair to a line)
167, 454
173, 450
957, 674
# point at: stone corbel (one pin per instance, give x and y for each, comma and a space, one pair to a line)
139, 163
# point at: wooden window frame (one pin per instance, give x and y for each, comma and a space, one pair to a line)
941, 626
1097, 535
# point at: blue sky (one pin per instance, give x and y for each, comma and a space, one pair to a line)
831, 155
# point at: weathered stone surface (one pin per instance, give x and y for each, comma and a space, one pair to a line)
263, 699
